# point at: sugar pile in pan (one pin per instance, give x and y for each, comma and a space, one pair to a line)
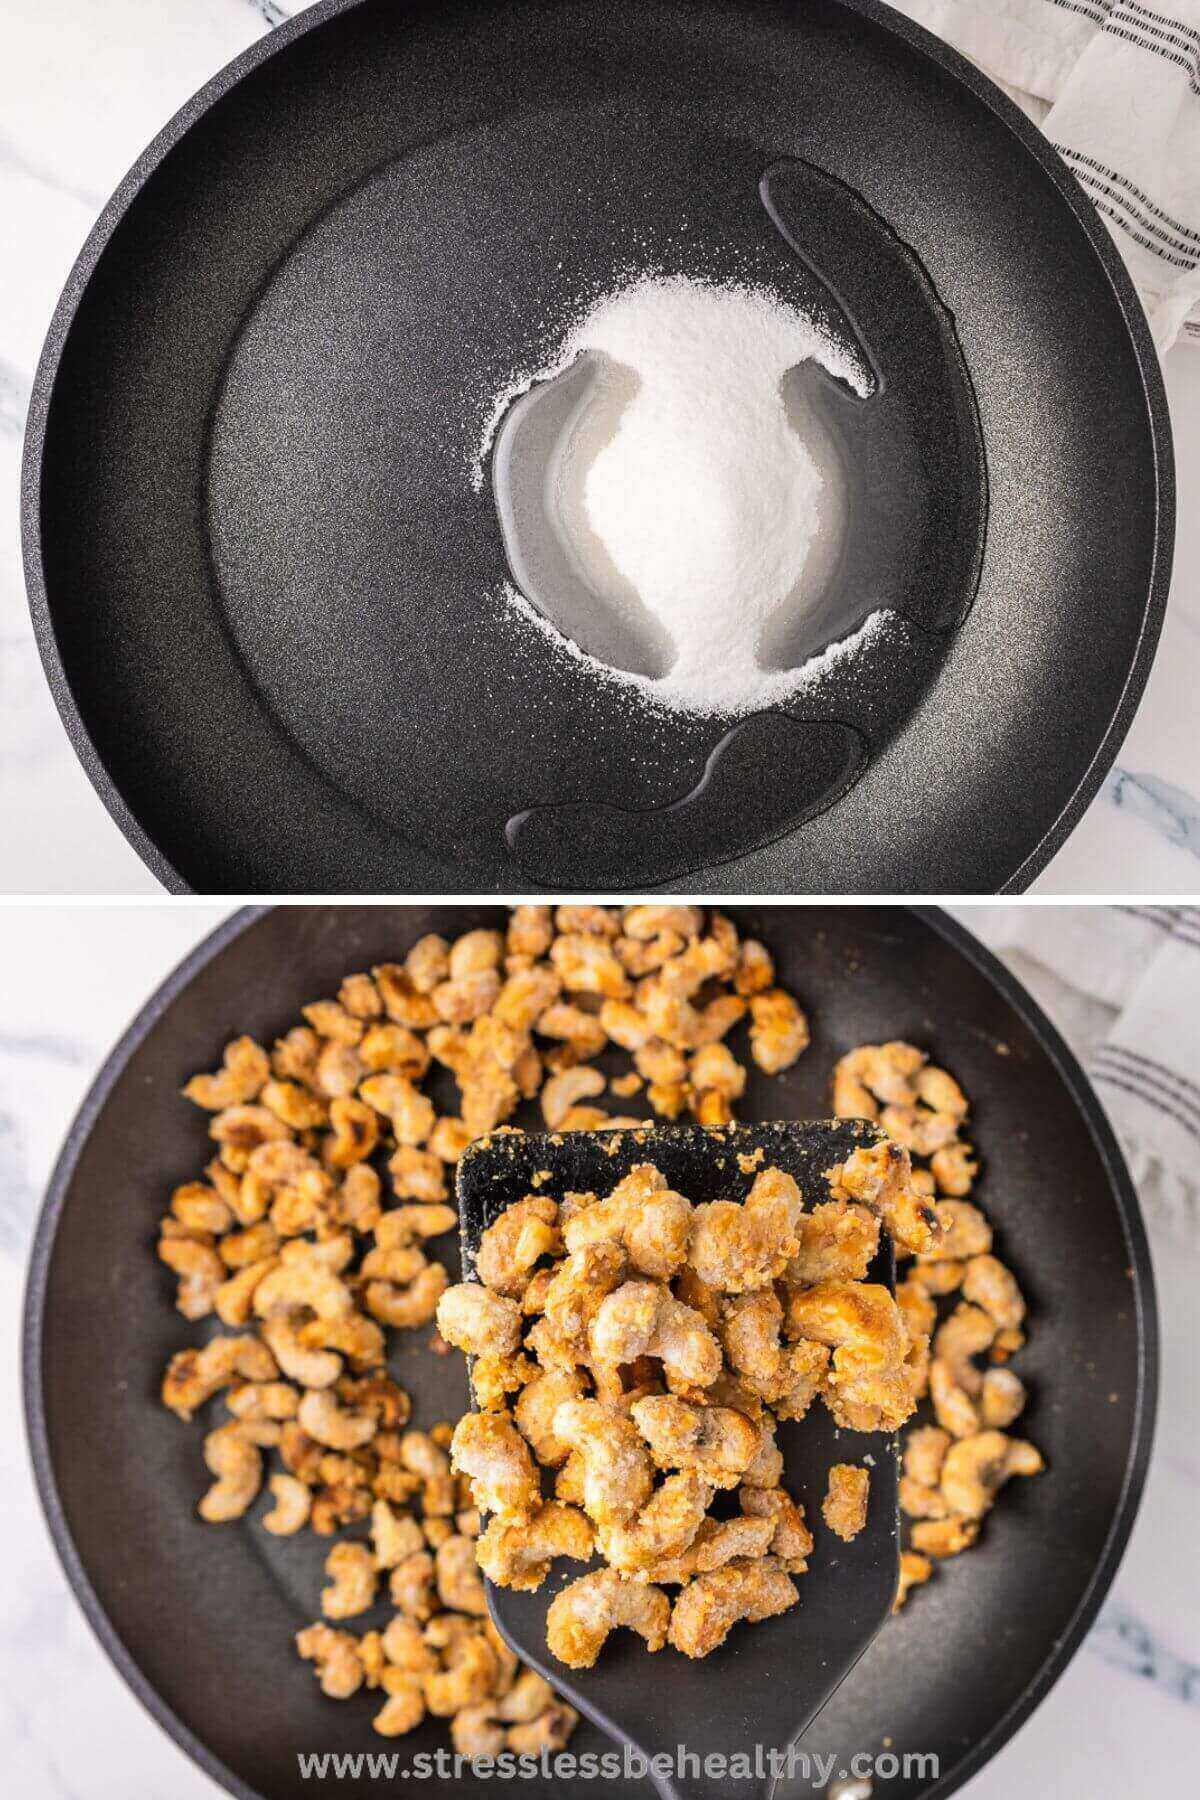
704, 499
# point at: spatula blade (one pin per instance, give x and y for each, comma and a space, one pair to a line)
756, 1693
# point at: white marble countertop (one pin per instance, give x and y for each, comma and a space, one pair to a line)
83, 87
1122, 1721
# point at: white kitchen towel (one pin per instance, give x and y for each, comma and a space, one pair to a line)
1141, 1040
1115, 85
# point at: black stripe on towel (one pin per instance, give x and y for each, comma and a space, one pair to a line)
1109, 1079
1095, 175
1174, 31
1132, 1062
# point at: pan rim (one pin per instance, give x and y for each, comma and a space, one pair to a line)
1152, 388
951, 931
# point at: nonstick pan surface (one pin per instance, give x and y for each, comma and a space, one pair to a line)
199, 1619
269, 598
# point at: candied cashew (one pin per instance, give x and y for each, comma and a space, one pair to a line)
616, 1470
642, 1214
195, 1375
407, 1307
303, 1280
581, 1617
965, 1232
1001, 1398
944, 1537
409, 1112
293, 1502
663, 1529
458, 1583
837, 1242
716, 1442
914, 1570
355, 1132
988, 1284
844, 1508
879, 1177
199, 1268
335, 1655
478, 1321
868, 1387
245, 1067
976, 1468
563, 1092
519, 1555
353, 1579
735, 1247
310, 1367
200, 1209
234, 1458
588, 965
788, 1378
404, 1708
339, 1427
412, 1585
710, 1606
489, 1449
642, 1318
779, 1031
466, 1681
954, 1168
535, 1407
394, 1537
791, 1540
516, 1241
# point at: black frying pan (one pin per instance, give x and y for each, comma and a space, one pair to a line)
199, 1619
266, 592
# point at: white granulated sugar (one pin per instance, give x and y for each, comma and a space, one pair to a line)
704, 498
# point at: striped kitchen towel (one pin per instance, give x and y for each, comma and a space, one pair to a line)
1115, 85
1127, 998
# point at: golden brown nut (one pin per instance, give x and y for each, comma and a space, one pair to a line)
867, 1388
511, 1246
663, 1529
335, 1654
642, 1214
738, 1247
245, 1068
643, 1318
715, 1442
458, 1583
617, 1473
478, 1321
844, 1508
837, 1242
976, 1468
790, 1377
711, 1605
232, 1453
914, 1569
880, 1178
536, 1406
987, 1283
582, 1615
519, 1555
489, 1448
779, 1031
791, 1540
944, 1537
194, 1376
353, 1579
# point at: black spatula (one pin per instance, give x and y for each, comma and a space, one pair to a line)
753, 1696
